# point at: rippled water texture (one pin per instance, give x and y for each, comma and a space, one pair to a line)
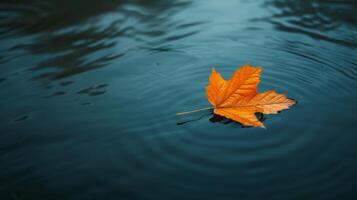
89, 91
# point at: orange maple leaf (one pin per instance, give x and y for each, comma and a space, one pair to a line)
238, 99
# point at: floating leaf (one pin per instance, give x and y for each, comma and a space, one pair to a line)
238, 99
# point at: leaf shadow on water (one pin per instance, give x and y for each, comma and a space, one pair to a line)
217, 118
195, 119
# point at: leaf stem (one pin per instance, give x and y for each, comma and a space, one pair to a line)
193, 111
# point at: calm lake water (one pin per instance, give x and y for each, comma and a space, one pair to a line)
89, 91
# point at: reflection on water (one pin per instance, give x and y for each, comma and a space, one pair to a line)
320, 19
89, 92
73, 42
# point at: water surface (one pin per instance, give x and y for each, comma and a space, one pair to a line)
89, 92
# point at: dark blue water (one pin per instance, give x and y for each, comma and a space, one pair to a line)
89, 91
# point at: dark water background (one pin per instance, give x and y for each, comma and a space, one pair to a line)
89, 90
